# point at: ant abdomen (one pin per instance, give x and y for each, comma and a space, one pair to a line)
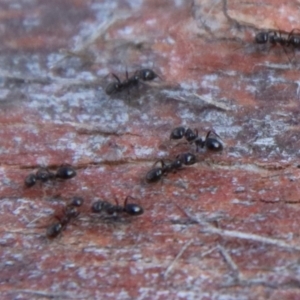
65, 172
30, 180
113, 87
133, 209
54, 230
177, 133
154, 175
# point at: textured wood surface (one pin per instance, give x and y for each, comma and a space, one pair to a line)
224, 228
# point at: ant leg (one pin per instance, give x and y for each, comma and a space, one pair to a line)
210, 132
117, 78
159, 161
126, 199
290, 61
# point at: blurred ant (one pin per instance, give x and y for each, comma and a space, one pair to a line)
280, 37
283, 38
129, 82
192, 137
273, 37
70, 212
155, 174
64, 172
131, 209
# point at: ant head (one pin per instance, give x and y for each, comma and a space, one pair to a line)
191, 135
30, 180
76, 202
177, 133
261, 37
54, 230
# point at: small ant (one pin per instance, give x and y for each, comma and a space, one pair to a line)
283, 38
110, 209
273, 37
129, 82
65, 171
278, 37
70, 213
192, 137
155, 174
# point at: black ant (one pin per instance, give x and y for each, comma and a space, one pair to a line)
273, 37
110, 209
155, 174
65, 171
278, 37
283, 38
70, 212
129, 82
192, 137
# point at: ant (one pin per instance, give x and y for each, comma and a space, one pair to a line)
131, 209
192, 137
70, 212
283, 38
64, 172
129, 82
273, 37
155, 174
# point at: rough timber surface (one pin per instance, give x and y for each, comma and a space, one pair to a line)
224, 228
